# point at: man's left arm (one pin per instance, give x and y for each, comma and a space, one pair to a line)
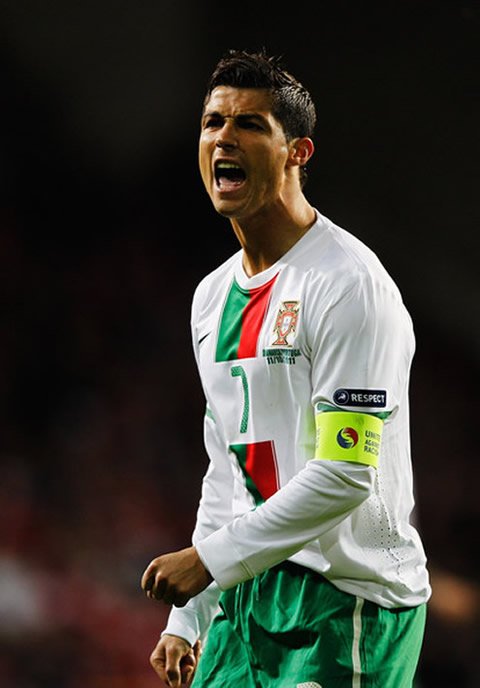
314, 501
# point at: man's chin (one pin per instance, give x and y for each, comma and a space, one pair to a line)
228, 209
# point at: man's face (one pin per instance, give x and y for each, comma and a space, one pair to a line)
242, 152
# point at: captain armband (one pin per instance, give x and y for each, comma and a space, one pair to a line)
347, 436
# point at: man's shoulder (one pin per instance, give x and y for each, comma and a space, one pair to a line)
344, 257
210, 283
338, 268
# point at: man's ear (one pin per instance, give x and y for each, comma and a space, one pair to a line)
301, 150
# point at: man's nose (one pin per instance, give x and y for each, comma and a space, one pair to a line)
227, 136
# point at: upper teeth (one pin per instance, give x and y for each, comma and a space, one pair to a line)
229, 165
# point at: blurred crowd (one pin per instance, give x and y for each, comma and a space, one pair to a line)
101, 459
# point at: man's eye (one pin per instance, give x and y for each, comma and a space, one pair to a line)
212, 122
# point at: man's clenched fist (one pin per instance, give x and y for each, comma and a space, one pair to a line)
176, 577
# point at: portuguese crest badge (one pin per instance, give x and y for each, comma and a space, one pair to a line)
286, 323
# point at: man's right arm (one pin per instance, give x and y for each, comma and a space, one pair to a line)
215, 510
187, 626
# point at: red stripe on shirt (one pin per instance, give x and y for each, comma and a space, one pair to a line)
252, 319
261, 465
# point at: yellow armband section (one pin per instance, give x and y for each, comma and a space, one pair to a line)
346, 436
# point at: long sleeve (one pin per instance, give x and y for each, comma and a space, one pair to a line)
313, 502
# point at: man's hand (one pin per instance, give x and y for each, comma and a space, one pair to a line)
176, 577
174, 660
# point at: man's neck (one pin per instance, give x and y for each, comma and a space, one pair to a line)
267, 236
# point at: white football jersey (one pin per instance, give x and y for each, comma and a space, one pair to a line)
305, 369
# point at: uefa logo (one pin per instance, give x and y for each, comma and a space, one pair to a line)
341, 397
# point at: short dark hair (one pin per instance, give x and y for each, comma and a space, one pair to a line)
292, 104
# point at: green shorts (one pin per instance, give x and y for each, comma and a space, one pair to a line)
290, 628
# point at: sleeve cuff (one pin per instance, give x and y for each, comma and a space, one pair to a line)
183, 622
193, 621
226, 572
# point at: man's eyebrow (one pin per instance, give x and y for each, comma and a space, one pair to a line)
241, 116
251, 115
211, 113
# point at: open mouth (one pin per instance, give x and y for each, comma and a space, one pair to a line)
228, 175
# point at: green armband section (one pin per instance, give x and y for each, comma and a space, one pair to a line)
347, 436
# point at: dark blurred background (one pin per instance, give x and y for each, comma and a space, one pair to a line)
104, 232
